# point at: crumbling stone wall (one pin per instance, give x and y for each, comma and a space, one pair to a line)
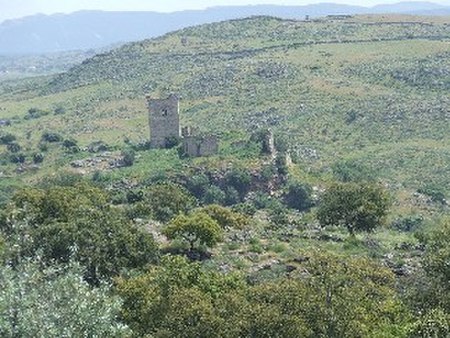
164, 119
196, 146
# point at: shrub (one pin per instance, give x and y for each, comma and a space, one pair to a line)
17, 158
40, 301
166, 200
7, 138
51, 137
35, 113
198, 184
128, 157
196, 229
214, 195
69, 143
435, 193
13, 147
359, 207
298, 196
38, 158
240, 179
225, 217
408, 224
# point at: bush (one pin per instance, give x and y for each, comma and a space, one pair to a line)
7, 138
214, 195
232, 196
35, 113
358, 207
13, 147
17, 158
40, 301
198, 184
196, 229
351, 171
435, 323
38, 158
59, 110
69, 143
167, 200
240, 179
64, 223
128, 157
435, 193
298, 196
97, 146
51, 137
226, 218
408, 224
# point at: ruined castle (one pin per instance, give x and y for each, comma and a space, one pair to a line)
164, 120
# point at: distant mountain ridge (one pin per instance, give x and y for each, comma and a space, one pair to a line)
95, 29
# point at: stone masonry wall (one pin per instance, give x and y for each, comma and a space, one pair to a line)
164, 120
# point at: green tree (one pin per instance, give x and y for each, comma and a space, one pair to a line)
196, 229
63, 223
298, 196
177, 299
432, 291
334, 297
359, 207
240, 179
40, 301
167, 200
226, 218
435, 323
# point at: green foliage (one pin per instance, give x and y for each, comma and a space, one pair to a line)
436, 262
214, 195
239, 179
226, 218
17, 158
167, 200
172, 142
197, 229
63, 223
298, 196
281, 165
7, 138
352, 171
436, 193
13, 147
335, 297
51, 137
435, 323
35, 113
69, 143
358, 207
407, 224
128, 157
39, 301
38, 158
197, 184
176, 300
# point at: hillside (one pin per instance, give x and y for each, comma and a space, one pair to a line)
336, 227
363, 93
97, 29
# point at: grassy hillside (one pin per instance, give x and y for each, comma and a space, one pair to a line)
370, 92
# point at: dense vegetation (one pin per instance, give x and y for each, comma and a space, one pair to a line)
342, 232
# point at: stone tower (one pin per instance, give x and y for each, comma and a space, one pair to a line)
164, 117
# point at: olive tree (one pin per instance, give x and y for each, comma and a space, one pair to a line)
196, 229
357, 206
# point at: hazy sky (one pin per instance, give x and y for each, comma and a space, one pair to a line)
18, 8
